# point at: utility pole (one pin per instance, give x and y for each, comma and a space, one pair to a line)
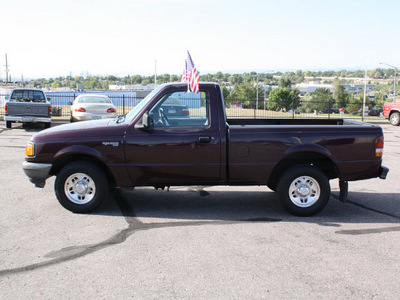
6, 70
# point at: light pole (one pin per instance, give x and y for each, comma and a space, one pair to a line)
395, 71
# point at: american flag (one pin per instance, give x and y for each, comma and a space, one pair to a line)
185, 77
194, 76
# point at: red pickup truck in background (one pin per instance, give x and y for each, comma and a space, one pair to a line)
391, 111
151, 146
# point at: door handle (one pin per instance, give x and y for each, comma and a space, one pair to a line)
204, 139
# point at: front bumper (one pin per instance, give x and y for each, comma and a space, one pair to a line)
28, 119
37, 172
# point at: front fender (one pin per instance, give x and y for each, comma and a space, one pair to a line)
78, 149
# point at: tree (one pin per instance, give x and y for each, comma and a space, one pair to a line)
219, 76
285, 82
227, 93
245, 91
299, 76
379, 99
354, 104
56, 84
321, 99
339, 94
174, 78
283, 98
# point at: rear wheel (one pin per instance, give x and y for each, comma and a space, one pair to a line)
395, 119
47, 125
303, 190
8, 124
81, 187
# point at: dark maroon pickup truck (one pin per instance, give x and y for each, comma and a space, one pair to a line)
154, 146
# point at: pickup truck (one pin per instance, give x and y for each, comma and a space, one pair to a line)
27, 106
391, 111
149, 147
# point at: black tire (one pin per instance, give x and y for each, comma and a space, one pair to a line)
81, 187
47, 125
395, 119
303, 190
8, 124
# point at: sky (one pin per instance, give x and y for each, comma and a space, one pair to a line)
126, 37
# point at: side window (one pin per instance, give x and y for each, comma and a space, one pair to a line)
181, 109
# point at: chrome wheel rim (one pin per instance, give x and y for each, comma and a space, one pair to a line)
80, 188
394, 119
304, 191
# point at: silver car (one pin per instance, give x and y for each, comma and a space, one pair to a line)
92, 107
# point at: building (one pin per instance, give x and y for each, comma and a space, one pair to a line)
311, 87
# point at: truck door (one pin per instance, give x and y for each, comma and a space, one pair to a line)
183, 144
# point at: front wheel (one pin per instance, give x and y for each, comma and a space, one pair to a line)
395, 119
81, 187
303, 190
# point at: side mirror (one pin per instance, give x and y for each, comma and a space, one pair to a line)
48, 99
69, 103
145, 123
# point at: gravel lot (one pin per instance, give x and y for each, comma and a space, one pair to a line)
197, 242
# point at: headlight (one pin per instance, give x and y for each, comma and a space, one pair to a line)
30, 149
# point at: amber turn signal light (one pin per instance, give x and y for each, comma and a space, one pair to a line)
379, 146
30, 149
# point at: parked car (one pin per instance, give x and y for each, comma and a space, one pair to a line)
375, 111
290, 111
294, 157
92, 107
174, 108
27, 106
330, 111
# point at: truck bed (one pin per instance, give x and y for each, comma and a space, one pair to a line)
257, 145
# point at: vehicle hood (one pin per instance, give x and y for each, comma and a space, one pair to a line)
82, 130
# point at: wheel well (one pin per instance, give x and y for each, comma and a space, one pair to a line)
322, 162
66, 159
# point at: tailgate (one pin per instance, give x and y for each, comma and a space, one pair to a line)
28, 109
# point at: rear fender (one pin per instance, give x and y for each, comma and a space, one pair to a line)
307, 148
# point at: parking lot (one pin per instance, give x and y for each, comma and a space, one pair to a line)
197, 242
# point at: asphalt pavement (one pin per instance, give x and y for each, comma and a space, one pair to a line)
197, 242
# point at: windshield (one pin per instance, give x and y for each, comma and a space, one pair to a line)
132, 114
